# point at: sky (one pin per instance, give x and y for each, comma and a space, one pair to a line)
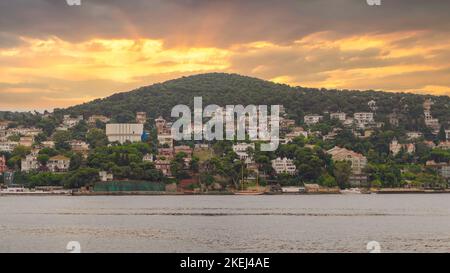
53, 55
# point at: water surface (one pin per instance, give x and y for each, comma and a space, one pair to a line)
320, 223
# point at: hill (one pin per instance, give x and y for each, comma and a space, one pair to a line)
222, 89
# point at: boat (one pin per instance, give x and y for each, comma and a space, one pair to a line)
248, 192
351, 191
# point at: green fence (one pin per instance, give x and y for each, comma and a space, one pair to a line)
117, 186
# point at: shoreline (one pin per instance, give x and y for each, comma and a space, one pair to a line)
151, 193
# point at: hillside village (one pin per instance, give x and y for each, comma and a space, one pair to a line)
329, 149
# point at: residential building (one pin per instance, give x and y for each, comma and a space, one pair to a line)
69, 122
141, 117
358, 163
80, 147
442, 168
48, 144
445, 172
394, 119
167, 153
429, 144
165, 140
2, 164
284, 165
395, 147
183, 149
21, 131
414, 135
444, 145
105, 176
93, 119
296, 132
163, 166
58, 163
30, 163
372, 105
339, 116
4, 125
123, 132
148, 158
8, 146
447, 134
312, 119
241, 150
431, 122
363, 118
26, 141
161, 126
286, 123
348, 122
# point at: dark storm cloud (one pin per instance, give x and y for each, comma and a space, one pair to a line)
217, 22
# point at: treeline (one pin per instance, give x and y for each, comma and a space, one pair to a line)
223, 89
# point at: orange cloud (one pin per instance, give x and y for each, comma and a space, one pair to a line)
52, 72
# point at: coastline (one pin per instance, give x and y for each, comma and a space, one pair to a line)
160, 193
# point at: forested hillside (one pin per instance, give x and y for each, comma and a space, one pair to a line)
223, 89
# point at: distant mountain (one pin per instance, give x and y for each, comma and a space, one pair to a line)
224, 89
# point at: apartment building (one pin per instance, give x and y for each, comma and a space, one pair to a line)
284, 165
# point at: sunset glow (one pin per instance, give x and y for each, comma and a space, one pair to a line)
60, 68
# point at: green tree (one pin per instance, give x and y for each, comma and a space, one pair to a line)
81, 178
342, 172
61, 139
96, 138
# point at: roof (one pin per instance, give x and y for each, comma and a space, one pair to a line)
338, 151
59, 157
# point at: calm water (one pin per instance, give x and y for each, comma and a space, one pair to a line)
400, 223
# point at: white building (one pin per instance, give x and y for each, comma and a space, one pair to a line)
105, 176
69, 122
21, 131
48, 144
30, 163
58, 163
8, 146
241, 150
445, 171
79, 146
444, 145
312, 119
339, 116
395, 147
123, 132
431, 122
148, 158
414, 135
363, 118
284, 165
93, 119
447, 134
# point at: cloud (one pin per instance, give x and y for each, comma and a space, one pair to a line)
54, 55
217, 22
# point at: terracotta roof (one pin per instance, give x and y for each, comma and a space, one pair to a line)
59, 157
